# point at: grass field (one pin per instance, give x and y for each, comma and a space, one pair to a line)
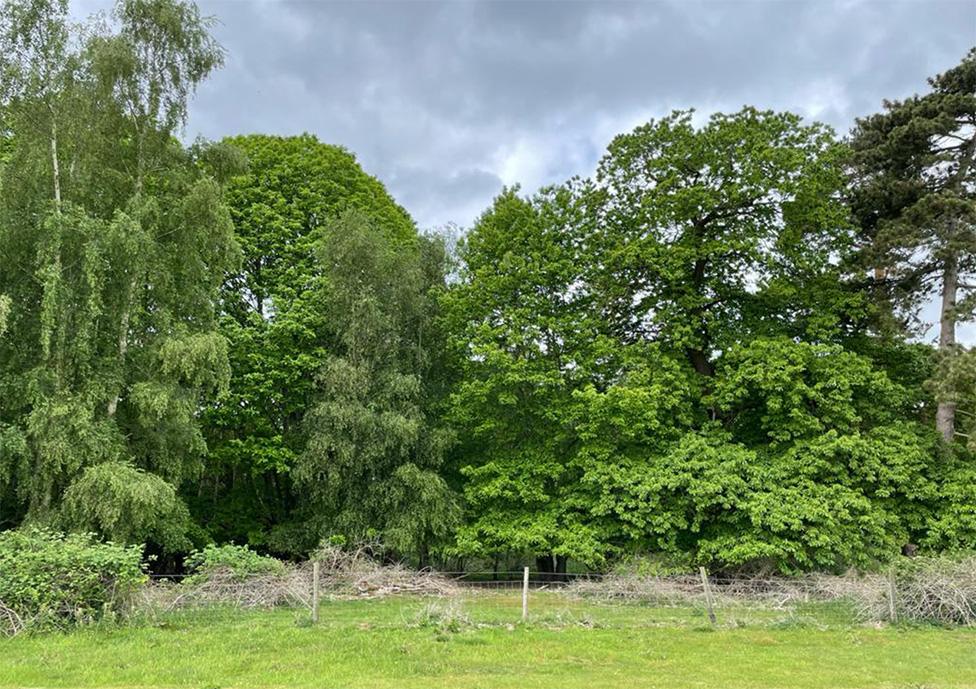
411, 643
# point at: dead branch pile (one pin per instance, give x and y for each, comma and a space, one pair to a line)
658, 590
11, 623
784, 592
851, 586
360, 573
343, 574
229, 588
768, 591
933, 590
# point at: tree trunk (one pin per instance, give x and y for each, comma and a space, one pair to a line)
560, 568
113, 403
698, 356
945, 416
140, 163
544, 564
700, 361
54, 165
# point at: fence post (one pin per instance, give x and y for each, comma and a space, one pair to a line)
315, 592
708, 594
892, 610
525, 594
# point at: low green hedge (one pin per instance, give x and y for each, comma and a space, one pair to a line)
53, 579
238, 560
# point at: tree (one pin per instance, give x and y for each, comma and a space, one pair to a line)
527, 345
655, 360
841, 473
916, 199
374, 451
151, 67
292, 190
112, 271
704, 234
812, 463
37, 70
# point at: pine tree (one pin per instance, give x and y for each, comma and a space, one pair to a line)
916, 198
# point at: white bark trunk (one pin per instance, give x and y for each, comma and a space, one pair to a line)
113, 403
55, 166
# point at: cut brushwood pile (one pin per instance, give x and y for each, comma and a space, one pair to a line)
226, 587
11, 623
361, 573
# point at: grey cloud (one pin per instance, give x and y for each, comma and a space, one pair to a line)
532, 91
429, 193
446, 101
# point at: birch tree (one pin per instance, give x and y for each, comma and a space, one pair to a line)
375, 447
114, 251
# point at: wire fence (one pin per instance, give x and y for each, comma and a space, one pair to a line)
358, 589
402, 596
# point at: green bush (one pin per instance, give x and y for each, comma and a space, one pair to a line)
655, 565
53, 579
236, 559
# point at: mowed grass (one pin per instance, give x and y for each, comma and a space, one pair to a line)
408, 643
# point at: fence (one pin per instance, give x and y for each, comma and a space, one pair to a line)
594, 599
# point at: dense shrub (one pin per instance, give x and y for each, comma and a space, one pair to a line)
128, 505
238, 560
52, 579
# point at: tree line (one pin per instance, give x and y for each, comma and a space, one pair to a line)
708, 350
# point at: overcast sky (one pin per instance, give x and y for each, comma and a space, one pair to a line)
447, 101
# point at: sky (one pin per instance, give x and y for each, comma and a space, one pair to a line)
446, 102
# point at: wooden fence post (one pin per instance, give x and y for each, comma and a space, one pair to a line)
892, 610
315, 591
708, 594
525, 594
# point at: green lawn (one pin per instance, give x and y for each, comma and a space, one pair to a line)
381, 644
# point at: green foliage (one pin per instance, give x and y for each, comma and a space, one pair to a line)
115, 241
694, 354
788, 391
278, 326
808, 465
127, 505
953, 521
374, 449
238, 560
914, 193
54, 579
